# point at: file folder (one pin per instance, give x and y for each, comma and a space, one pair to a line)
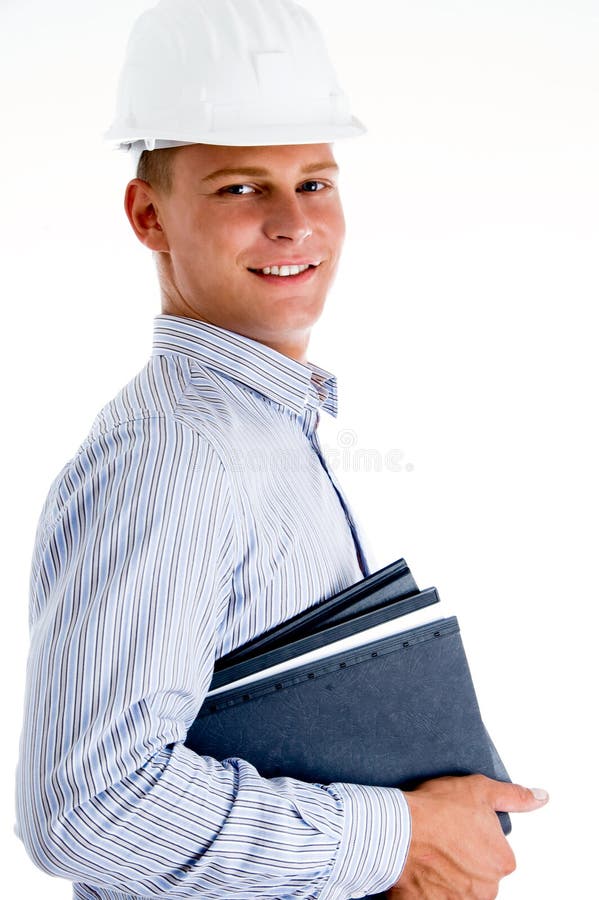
392, 712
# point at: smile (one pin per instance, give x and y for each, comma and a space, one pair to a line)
285, 271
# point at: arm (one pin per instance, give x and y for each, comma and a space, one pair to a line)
132, 574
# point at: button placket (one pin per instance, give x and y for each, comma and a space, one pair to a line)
337, 487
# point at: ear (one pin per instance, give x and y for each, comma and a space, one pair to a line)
142, 212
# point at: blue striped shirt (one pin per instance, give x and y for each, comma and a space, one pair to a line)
198, 513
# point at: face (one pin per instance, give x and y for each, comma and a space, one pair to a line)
252, 238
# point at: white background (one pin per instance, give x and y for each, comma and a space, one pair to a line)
461, 328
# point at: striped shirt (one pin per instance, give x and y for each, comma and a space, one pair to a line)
198, 513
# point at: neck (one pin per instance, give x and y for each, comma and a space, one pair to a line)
294, 344
295, 347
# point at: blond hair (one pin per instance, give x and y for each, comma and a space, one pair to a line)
155, 167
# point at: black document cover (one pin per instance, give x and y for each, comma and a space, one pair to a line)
374, 593
392, 712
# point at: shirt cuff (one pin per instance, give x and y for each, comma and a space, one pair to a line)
374, 844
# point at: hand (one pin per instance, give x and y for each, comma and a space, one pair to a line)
458, 850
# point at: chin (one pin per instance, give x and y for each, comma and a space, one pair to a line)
298, 312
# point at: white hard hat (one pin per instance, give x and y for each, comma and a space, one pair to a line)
228, 72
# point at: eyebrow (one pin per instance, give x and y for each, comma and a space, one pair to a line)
255, 172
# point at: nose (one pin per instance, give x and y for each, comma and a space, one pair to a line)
286, 219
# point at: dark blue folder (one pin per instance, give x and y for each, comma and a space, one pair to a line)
392, 712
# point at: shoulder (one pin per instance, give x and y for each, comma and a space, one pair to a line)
154, 393
157, 432
174, 388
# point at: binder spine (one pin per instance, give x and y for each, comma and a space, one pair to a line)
272, 684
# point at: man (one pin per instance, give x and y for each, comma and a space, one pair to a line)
162, 546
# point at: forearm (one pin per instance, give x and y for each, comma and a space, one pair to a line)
183, 826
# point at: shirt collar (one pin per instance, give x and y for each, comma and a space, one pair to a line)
282, 379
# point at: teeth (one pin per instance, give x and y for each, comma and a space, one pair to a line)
284, 270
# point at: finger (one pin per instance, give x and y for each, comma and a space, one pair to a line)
506, 797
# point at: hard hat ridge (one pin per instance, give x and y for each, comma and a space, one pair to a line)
230, 72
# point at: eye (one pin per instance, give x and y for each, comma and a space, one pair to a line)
237, 189
310, 187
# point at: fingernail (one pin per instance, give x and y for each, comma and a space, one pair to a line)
539, 794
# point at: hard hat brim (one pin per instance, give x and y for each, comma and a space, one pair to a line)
260, 136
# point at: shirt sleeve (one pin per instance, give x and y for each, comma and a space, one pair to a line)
132, 575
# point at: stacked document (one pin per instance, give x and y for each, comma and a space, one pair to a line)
366, 687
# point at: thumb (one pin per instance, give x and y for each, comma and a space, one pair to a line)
508, 797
